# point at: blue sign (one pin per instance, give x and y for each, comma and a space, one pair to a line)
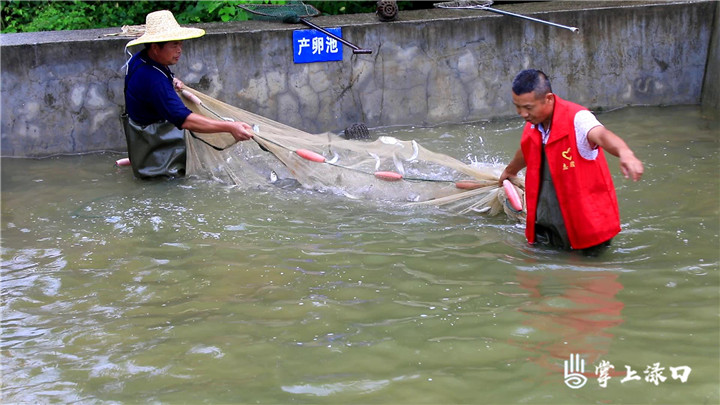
314, 46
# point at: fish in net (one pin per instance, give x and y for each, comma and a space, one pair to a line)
387, 169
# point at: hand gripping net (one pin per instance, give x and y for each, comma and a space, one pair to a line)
387, 169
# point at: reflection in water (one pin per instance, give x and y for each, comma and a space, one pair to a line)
353, 387
569, 312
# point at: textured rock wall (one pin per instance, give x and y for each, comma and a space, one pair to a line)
63, 92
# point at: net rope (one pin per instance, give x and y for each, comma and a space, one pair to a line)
387, 169
280, 12
464, 4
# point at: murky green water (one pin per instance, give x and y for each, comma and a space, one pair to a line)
121, 291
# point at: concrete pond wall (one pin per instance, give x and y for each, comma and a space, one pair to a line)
62, 92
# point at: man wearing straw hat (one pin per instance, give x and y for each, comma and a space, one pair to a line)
156, 118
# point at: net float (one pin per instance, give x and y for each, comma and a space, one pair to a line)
122, 162
310, 155
512, 195
191, 97
388, 176
469, 185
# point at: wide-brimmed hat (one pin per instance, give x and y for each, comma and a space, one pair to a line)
160, 26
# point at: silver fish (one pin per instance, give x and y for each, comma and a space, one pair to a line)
377, 160
416, 152
389, 140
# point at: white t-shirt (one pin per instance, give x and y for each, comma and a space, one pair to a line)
584, 122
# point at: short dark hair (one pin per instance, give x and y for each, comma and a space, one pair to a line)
531, 80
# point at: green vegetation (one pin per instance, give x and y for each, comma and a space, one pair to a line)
31, 16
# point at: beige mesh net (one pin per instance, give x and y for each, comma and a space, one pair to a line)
386, 169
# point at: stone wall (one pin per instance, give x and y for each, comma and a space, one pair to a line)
711, 87
62, 92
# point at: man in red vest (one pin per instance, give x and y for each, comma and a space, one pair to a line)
569, 192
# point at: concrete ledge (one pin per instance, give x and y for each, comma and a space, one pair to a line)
62, 92
711, 86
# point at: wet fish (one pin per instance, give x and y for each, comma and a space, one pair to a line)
377, 160
416, 152
398, 164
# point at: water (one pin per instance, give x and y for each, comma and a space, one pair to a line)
121, 291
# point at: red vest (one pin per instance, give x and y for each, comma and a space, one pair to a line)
584, 188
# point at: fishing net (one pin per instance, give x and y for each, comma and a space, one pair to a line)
288, 12
387, 169
295, 12
464, 4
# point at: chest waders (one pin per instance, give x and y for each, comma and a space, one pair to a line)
155, 150
549, 222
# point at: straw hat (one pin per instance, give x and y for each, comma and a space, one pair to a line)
160, 26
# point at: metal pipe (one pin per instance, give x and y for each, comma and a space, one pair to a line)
354, 47
494, 10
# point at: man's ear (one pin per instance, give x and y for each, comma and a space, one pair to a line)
550, 98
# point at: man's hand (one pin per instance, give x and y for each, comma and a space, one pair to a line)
512, 169
630, 166
241, 131
179, 85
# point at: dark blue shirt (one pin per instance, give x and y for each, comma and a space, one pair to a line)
149, 93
